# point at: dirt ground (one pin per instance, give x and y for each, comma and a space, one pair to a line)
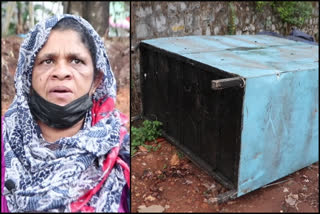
167, 181
118, 53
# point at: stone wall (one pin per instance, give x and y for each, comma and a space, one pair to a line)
167, 19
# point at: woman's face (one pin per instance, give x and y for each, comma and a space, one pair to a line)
63, 69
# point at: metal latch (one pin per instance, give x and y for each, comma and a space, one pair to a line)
227, 83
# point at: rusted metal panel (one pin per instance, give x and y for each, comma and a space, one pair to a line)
244, 108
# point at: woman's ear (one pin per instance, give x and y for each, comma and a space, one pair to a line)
96, 82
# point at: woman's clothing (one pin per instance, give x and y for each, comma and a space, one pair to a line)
4, 207
55, 176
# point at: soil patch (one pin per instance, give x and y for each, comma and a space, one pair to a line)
170, 180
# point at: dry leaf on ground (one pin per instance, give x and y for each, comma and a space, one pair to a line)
143, 149
174, 161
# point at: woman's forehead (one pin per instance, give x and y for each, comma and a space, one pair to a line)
64, 42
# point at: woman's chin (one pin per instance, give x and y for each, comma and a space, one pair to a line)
60, 99
61, 103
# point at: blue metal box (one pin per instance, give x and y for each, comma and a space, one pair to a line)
243, 107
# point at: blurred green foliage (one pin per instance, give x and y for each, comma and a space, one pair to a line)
149, 131
20, 20
292, 12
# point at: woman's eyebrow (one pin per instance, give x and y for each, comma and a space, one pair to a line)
47, 56
55, 55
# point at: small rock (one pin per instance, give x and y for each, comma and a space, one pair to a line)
292, 199
150, 198
212, 187
187, 182
144, 164
160, 189
212, 200
151, 209
285, 189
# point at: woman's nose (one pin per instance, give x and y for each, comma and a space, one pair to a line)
61, 71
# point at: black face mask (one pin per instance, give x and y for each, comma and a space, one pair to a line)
57, 116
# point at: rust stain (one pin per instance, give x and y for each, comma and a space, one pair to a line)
258, 154
314, 112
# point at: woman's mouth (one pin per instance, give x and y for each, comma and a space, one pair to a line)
60, 89
60, 95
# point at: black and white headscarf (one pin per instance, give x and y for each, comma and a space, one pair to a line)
50, 176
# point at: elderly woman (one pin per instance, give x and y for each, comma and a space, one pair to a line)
66, 148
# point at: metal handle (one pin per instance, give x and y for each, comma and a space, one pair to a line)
227, 83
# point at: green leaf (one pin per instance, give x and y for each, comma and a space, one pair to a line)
149, 131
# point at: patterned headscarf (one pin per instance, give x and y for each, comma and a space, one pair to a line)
53, 176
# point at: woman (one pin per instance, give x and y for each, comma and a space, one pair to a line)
65, 146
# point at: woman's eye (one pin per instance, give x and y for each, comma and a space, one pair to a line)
76, 61
47, 61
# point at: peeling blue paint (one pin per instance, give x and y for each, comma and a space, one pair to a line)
281, 124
